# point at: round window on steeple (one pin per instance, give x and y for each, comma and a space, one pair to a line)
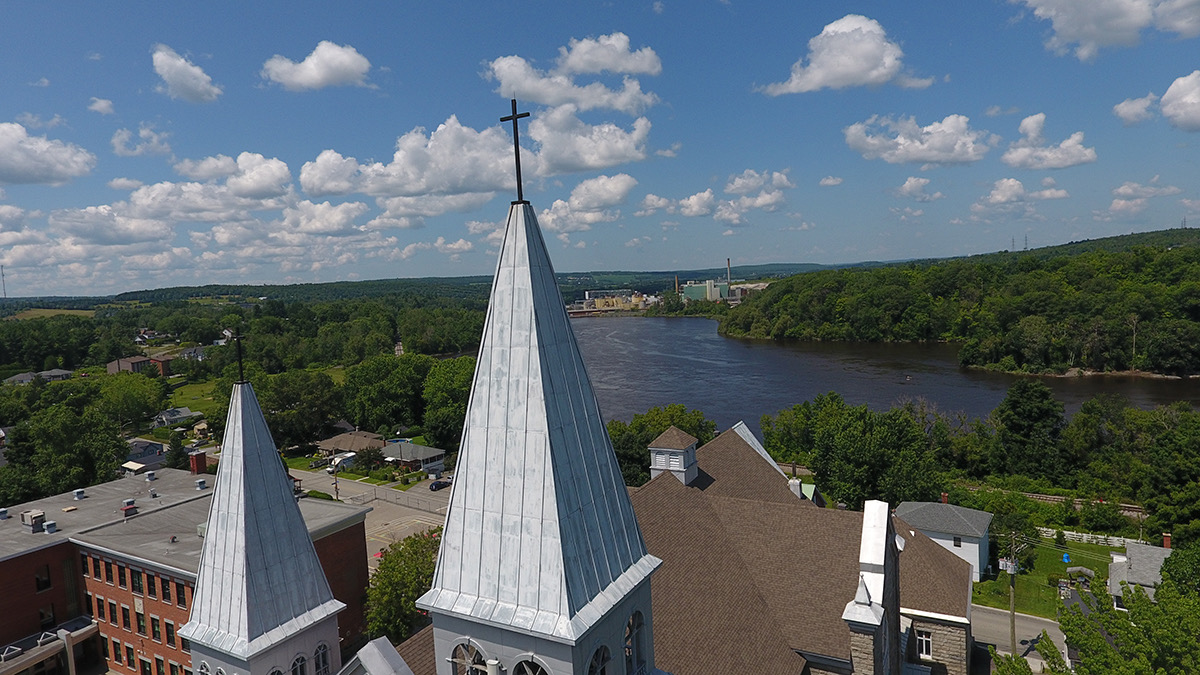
529, 668
466, 659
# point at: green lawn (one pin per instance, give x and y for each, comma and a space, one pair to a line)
197, 396
1035, 595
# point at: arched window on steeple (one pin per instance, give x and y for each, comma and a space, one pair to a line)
528, 668
635, 653
466, 659
300, 666
321, 660
599, 662
203, 669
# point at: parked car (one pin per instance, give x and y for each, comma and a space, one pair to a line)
438, 485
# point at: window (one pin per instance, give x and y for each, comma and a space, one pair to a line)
151, 586
46, 616
599, 662
112, 612
958, 542
529, 668
185, 645
180, 598
466, 660
299, 666
87, 604
104, 646
925, 644
321, 660
121, 576
155, 629
129, 656
145, 667
220, 670
275, 671
160, 668
135, 581
96, 567
174, 668
41, 578
125, 617
203, 668
100, 608
117, 651
635, 657
170, 634
85, 561
108, 571
141, 623
166, 589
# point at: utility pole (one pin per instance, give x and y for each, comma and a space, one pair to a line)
1012, 589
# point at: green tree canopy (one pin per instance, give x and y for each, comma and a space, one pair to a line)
387, 391
405, 573
631, 442
447, 390
1031, 422
1152, 638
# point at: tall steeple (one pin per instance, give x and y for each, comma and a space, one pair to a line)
261, 596
542, 561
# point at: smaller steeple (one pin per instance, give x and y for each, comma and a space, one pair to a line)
674, 451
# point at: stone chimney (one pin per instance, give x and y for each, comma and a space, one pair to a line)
674, 451
1166, 540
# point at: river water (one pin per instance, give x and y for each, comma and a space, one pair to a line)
636, 363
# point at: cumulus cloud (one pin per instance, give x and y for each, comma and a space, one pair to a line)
1009, 196
32, 121
568, 144
125, 184
1181, 103
898, 141
733, 211
609, 53
1031, 152
37, 159
518, 79
452, 248
751, 181
209, 168
830, 181
101, 105
1134, 110
182, 79
328, 65
996, 111
323, 218
1084, 28
756, 190
914, 188
850, 52
699, 204
107, 225
1130, 197
150, 142
259, 178
591, 202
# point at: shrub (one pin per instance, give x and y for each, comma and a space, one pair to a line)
1060, 539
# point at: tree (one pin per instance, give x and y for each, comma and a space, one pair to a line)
1031, 422
177, 457
1013, 524
387, 391
1152, 637
405, 573
129, 397
631, 442
1014, 664
299, 406
63, 450
788, 437
447, 390
1183, 568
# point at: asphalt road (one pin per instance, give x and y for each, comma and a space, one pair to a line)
990, 626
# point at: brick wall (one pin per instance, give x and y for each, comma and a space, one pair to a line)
949, 646
28, 609
343, 556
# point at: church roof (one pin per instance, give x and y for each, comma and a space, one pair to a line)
259, 580
540, 536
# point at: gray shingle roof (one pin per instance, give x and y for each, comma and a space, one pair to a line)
945, 518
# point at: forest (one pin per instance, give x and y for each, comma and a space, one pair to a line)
1118, 304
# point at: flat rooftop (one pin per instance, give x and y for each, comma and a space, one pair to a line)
178, 511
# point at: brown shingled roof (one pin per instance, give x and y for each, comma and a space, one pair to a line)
673, 438
932, 579
730, 467
417, 652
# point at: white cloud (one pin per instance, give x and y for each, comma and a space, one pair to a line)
914, 188
732, 212
699, 204
652, 204
493, 231
181, 78
568, 144
32, 121
1181, 103
830, 181
1031, 153
125, 184
258, 177
520, 80
410, 211
607, 53
37, 159
11, 216
328, 65
209, 168
1087, 27
150, 142
101, 105
107, 225
590, 203
1131, 190
1134, 110
323, 218
750, 181
1009, 196
453, 249
852, 51
996, 111
950, 141
637, 242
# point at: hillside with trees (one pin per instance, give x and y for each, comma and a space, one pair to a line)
1117, 304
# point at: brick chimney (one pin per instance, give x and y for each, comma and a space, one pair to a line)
1166, 540
945, 497
198, 462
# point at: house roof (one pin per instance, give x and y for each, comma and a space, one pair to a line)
260, 580
945, 518
1142, 566
540, 535
673, 438
409, 452
417, 652
932, 578
352, 441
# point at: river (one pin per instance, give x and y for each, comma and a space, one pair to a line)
636, 363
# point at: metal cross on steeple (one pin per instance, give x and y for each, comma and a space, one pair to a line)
516, 145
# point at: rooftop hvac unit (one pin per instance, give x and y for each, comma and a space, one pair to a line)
127, 502
50, 526
3, 514
149, 475
79, 494
200, 484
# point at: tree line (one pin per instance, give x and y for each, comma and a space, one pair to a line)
1136, 308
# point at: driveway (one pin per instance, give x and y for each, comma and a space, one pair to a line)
990, 626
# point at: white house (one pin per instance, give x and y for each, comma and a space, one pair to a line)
958, 529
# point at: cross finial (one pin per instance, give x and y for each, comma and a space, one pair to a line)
516, 145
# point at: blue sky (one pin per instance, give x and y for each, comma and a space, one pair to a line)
165, 144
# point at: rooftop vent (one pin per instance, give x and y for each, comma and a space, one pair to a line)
154, 493
3, 514
149, 476
50, 526
127, 502
201, 484
79, 494
33, 519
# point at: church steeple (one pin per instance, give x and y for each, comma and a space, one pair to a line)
261, 598
542, 561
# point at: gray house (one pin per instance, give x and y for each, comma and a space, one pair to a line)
1141, 565
958, 529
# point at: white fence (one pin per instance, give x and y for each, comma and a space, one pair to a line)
1085, 538
397, 497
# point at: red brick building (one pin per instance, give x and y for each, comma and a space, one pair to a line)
101, 582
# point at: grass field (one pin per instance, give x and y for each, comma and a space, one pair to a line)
42, 313
1035, 595
197, 396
